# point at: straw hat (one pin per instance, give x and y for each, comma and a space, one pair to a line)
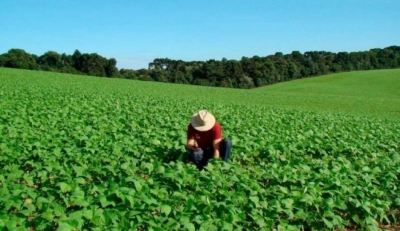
203, 120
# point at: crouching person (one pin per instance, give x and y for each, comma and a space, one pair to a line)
205, 140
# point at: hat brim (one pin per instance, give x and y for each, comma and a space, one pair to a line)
210, 124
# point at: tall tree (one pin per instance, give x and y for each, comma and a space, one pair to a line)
50, 61
18, 58
111, 68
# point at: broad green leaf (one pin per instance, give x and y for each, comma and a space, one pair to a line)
81, 202
59, 210
189, 226
227, 226
328, 223
105, 202
307, 199
328, 202
397, 201
288, 202
254, 199
64, 187
131, 200
166, 209
80, 180
138, 185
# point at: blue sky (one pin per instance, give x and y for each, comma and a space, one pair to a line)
135, 32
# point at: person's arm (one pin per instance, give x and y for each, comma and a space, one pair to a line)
217, 130
216, 147
191, 145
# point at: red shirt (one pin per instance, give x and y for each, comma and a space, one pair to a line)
205, 139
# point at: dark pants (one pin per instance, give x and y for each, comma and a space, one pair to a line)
202, 157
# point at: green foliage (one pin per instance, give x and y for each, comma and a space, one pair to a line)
90, 154
246, 73
18, 58
256, 71
90, 64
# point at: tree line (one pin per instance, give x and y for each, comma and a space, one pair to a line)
248, 72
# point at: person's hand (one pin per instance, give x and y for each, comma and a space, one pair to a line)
216, 154
196, 149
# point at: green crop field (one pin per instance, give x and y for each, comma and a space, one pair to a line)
375, 93
87, 153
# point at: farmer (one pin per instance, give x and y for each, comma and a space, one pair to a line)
205, 140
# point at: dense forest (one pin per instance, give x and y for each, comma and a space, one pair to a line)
248, 72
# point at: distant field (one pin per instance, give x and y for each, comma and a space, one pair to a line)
375, 93
89, 153
364, 93
369, 84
